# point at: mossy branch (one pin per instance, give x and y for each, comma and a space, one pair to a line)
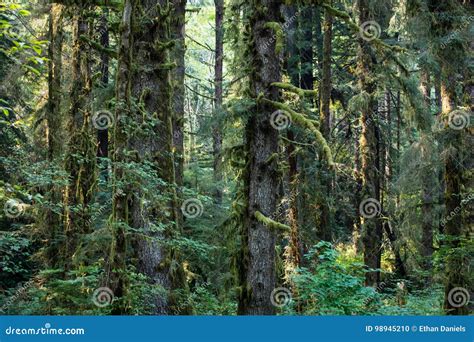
354, 27
311, 125
294, 89
274, 225
97, 46
278, 31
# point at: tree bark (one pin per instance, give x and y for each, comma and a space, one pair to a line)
54, 120
451, 67
428, 184
103, 134
121, 218
292, 252
325, 124
372, 229
218, 70
152, 87
81, 156
261, 182
177, 26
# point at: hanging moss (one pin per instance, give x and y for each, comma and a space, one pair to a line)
271, 223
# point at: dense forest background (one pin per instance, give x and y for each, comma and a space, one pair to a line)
236, 157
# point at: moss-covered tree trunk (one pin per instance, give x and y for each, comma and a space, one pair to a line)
325, 124
177, 27
122, 191
457, 262
81, 154
452, 59
54, 123
372, 229
292, 251
218, 74
153, 89
103, 134
261, 183
428, 183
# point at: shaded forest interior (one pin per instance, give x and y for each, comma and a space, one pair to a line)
236, 157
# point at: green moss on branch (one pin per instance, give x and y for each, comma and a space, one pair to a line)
99, 47
271, 223
301, 120
294, 89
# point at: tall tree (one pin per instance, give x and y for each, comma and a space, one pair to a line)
178, 29
80, 158
54, 120
452, 66
428, 181
292, 252
103, 134
218, 74
372, 229
261, 182
325, 124
121, 214
152, 88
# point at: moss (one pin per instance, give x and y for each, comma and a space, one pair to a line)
162, 46
293, 89
274, 225
97, 46
167, 66
354, 27
304, 122
278, 31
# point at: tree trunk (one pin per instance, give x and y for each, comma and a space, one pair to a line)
261, 181
103, 134
218, 69
325, 124
452, 66
372, 230
122, 194
54, 123
428, 183
292, 252
152, 86
177, 26
306, 50
455, 276
81, 156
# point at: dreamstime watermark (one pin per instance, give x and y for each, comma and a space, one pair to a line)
280, 120
102, 297
46, 330
458, 297
458, 119
456, 32
18, 293
14, 208
377, 289
101, 210
369, 30
456, 211
370, 207
280, 297
192, 208
269, 42
103, 119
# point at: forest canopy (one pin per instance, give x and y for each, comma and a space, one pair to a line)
236, 157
